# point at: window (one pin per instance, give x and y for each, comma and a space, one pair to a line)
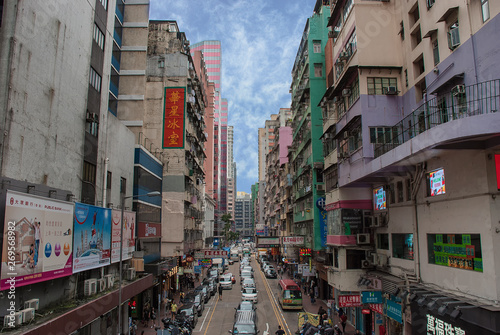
108, 180
402, 30
380, 85
402, 246
461, 251
92, 126
104, 4
400, 191
354, 258
335, 257
418, 66
416, 37
414, 15
161, 63
95, 80
123, 185
353, 97
435, 51
430, 3
453, 36
347, 9
392, 196
318, 70
408, 189
377, 134
89, 172
383, 241
406, 77
98, 36
317, 47
485, 10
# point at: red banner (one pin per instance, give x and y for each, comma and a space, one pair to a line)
349, 300
145, 229
215, 253
173, 117
377, 308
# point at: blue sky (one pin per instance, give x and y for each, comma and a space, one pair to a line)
259, 41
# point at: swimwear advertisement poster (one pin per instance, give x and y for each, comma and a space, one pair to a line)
92, 240
128, 235
37, 240
436, 182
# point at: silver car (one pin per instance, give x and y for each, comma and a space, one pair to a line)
249, 294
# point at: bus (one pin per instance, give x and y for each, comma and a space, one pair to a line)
290, 296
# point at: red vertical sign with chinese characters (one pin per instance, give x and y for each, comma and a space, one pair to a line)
173, 117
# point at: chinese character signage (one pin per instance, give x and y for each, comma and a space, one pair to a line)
377, 308
305, 252
394, 310
436, 326
350, 300
92, 239
371, 297
320, 205
462, 251
293, 240
37, 240
173, 118
128, 235
146, 229
215, 253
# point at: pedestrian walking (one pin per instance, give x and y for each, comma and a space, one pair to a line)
173, 309
220, 292
343, 320
153, 317
280, 331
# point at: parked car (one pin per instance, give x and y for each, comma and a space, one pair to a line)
249, 294
245, 322
213, 273
187, 313
212, 285
204, 290
233, 279
245, 306
225, 282
196, 299
245, 274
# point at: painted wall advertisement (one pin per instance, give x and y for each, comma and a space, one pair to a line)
92, 238
37, 240
128, 235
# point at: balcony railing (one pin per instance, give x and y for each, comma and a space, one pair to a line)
461, 102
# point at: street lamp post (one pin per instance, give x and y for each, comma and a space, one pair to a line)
122, 203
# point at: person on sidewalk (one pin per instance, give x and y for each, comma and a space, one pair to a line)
343, 320
173, 309
153, 317
280, 331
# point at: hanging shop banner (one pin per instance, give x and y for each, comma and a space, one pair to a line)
350, 300
379, 308
268, 242
371, 297
37, 239
394, 310
320, 205
173, 118
293, 240
215, 253
92, 239
206, 263
128, 235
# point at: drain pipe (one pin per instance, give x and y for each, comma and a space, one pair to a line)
105, 184
418, 179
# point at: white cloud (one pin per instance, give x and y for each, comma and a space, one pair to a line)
259, 42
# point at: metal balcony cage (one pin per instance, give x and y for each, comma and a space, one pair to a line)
461, 102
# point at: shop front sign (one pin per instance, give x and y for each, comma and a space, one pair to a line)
351, 300
371, 297
394, 311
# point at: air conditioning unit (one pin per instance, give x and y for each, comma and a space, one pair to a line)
16, 319
363, 238
367, 264
382, 260
458, 90
90, 287
320, 187
344, 55
28, 314
33, 303
390, 90
346, 92
109, 280
130, 274
102, 284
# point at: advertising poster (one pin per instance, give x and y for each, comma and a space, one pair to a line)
173, 117
379, 199
436, 182
128, 235
37, 241
92, 239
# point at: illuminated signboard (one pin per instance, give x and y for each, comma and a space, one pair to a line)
379, 199
438, 326
305, 252
435, 183
497, 169
461, 251
173, 118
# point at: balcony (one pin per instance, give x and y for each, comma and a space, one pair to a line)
341, 240
117, 38
345, 280
462, 102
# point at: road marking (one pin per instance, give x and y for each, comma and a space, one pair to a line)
211, 315
266, 332
204, 319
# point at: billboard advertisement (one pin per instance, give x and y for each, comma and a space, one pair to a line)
37, 241
173, 118
128, 235
92, 238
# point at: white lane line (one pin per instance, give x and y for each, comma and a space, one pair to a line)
204, 319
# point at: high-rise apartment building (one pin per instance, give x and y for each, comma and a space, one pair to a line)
243, 215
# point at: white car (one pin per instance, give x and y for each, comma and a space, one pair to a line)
247, 282
249, 294
225, 282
